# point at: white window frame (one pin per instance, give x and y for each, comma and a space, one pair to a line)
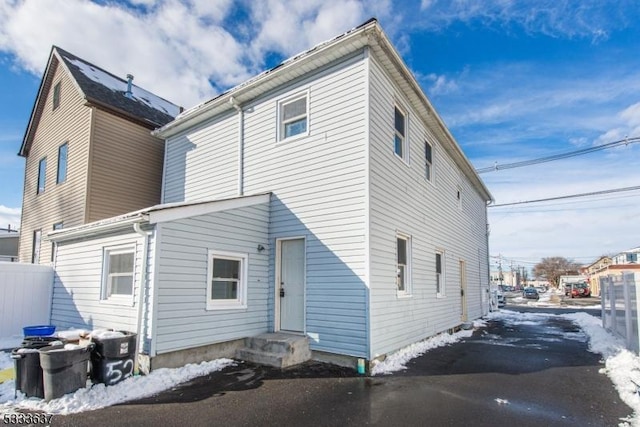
428, 165
104, 292
405, 137
440, 277
407, 267
241, 301
281, 124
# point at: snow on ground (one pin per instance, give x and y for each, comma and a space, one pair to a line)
398, 360
99, 396
620, 365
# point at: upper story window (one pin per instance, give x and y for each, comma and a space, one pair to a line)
439, 274
227, 280
42, 171
403, 254
56, 96
293, 116
428, 161
117, 278
400, 138
459, 196
62, 163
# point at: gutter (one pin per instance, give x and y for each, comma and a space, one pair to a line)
84, 231
141, 314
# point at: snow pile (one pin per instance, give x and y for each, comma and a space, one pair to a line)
100, 396
103, 334
621, 365
72, 334
398, 360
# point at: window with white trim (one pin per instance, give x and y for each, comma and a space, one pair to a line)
118, 273
227, 280
428, 161
400, 136
403, 264
293, 116
459, 196
440, 288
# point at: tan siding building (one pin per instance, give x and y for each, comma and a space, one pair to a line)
89, 152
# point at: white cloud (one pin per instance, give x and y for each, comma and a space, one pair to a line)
557, 18
9, 216
179, 50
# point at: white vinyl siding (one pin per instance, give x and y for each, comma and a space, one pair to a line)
182, 277
318, 191
402, 198
77, 291
202, 164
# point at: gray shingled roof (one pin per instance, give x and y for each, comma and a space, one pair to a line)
109, 90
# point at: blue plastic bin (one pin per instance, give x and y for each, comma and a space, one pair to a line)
38, 330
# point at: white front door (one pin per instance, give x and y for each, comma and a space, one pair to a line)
291, 292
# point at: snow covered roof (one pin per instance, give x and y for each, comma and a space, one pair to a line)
100, 85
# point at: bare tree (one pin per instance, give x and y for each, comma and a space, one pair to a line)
552, 268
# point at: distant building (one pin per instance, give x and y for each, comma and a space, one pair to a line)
9, 245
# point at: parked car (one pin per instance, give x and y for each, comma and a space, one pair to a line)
530, 293
580, 290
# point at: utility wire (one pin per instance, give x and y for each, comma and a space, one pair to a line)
593, 193
588, 150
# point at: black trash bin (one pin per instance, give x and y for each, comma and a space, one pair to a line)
64, 370
27, 364
113, 359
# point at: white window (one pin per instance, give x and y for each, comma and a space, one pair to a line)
428, 164
440, 274
400, 137
227, 280
293, 116
403, 264
459, 196
118, 273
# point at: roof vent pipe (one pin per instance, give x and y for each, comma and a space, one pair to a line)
128, 93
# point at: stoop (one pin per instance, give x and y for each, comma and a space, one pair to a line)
278, 349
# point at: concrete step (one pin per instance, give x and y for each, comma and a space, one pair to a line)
278, 349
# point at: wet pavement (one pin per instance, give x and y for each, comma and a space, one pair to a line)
523, 373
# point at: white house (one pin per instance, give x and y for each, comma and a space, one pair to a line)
324, 198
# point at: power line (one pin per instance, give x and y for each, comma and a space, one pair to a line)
588, 150
593, 193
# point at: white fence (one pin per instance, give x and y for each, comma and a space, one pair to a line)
25, 297
620, 307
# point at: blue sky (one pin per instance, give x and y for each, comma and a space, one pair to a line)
513, 80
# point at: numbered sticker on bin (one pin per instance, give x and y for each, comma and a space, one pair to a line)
124, 348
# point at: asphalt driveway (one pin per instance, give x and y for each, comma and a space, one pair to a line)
504, 375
